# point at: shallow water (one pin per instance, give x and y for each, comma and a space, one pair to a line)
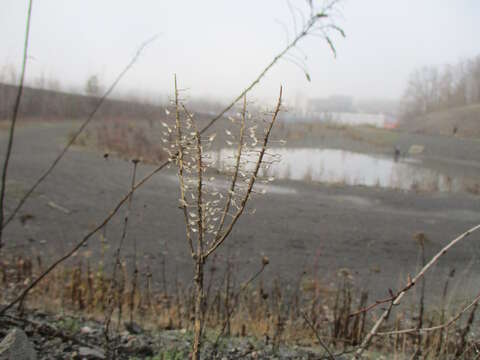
349, 168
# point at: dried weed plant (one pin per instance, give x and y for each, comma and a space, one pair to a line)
318, 23
210, 213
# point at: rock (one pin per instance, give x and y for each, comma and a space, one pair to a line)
416, 149
17, 346
133, 328
86, 330
91, 354
136, 346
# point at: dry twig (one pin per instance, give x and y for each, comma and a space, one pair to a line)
433, 328
12, 124
397, 297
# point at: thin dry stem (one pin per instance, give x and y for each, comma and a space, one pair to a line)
320, 341
219, 242
180, 158
396, 299
13, 123
235, 173
433, 328
200, 220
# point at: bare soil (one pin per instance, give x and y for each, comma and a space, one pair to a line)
300, 226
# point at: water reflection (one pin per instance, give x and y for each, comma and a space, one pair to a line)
349, 168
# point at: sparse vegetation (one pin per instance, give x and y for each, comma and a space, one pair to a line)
338, 317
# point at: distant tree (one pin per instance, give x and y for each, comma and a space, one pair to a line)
92, 86
53, 84
39, 82
434, 88
8, 74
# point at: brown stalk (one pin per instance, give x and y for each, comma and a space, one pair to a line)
418, 352
244, 286
466, 330
319, 339
117, 263
396, 298
235, 173
180, 157
200, 214
200, 260
13, 123
437, 327
222, 238
135, 267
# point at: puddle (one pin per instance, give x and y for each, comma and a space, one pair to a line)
349, 168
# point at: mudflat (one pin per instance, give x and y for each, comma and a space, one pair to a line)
303, 227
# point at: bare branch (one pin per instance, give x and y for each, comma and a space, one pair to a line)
12, 124
180, 157
219, 242
235, 173
320, 341
396, 299
292, 13
433, 328
200, 220
305, 31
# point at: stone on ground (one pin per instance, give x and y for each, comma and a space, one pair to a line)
17, 346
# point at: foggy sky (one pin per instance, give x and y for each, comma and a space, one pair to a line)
216, 47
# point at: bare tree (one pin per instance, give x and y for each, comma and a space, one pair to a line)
92, 87
434, 88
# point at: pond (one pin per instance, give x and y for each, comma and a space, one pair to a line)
341, 167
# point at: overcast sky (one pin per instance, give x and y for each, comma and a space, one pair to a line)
216, 47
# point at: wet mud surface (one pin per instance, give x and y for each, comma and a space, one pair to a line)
300, 225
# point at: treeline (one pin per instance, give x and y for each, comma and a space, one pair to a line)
48, 104
435, 88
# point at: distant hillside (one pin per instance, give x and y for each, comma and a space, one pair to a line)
466, 119
47, 104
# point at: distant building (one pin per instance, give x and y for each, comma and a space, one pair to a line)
334, 103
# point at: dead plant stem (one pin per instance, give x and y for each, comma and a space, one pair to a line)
11, 133
107, 219
396, 299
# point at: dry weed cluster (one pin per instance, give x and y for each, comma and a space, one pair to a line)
310, 312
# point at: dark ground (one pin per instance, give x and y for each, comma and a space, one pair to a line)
299, 226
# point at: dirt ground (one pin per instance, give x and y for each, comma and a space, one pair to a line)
299, 226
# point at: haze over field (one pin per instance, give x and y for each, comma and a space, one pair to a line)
216, 47
193, 221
